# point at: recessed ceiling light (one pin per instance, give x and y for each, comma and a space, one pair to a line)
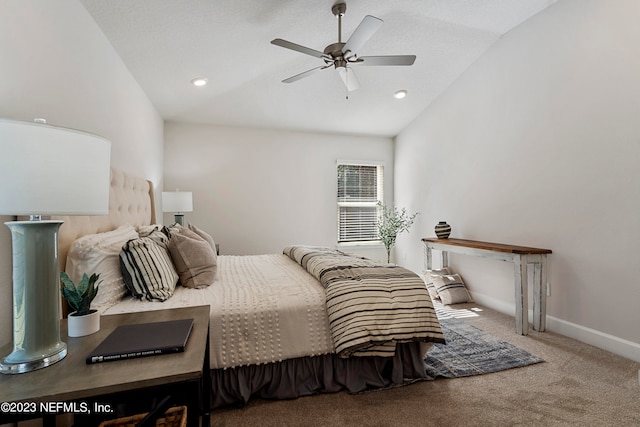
400, 94
199, 81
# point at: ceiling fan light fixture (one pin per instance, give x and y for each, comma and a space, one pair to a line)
348, 78
400, 94
199, 81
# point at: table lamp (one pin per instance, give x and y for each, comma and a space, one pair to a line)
177, 202
45, 170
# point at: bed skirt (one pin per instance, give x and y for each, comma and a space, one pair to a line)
319, 374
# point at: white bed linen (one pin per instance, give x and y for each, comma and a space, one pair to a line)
264, 308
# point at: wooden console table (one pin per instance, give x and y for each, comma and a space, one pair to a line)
521, 257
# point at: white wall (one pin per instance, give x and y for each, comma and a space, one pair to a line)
257, 191
538, 144
55, 63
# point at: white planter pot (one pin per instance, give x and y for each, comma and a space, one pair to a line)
79, 326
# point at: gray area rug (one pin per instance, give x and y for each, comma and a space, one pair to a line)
470, 351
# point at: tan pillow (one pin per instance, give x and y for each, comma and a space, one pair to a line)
193, 257
206, 236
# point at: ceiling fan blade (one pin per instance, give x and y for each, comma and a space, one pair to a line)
366, 29
386, 60
298, 48
304, 74
348, 78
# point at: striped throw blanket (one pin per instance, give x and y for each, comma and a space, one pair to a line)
371, 306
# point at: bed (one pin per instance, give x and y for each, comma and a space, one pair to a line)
273, 321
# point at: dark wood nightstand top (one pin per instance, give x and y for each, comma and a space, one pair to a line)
73, 379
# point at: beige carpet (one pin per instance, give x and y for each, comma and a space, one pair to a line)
576, 385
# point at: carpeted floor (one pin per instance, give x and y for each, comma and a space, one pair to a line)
577, 385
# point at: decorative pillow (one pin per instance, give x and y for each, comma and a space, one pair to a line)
145, 230
451, 289
194, 258
98, 253
206, 236
428, 280
147, 268
161, 237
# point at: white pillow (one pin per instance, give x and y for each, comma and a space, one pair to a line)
99, 253
428, 276
451, 289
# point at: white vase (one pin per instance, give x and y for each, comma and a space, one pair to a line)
79, 326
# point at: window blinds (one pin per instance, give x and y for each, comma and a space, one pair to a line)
359, 191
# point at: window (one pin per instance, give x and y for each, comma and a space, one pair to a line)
359, 191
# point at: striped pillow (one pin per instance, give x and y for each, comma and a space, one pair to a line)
428, 276
147, 268
451, 289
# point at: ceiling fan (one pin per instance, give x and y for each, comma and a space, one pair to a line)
342, 55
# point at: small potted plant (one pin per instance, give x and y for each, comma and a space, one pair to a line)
392, 223
83, 320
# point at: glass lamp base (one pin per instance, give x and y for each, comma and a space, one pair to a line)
36, 297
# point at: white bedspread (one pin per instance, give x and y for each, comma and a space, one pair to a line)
264, 308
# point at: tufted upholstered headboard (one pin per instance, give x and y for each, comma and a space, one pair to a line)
131, 201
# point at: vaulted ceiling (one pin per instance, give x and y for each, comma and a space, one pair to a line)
166, 43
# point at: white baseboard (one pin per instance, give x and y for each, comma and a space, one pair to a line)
619, 346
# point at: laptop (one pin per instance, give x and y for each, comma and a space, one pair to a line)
142, 340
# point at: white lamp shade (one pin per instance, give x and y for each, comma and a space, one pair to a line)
49, 170
177, 201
